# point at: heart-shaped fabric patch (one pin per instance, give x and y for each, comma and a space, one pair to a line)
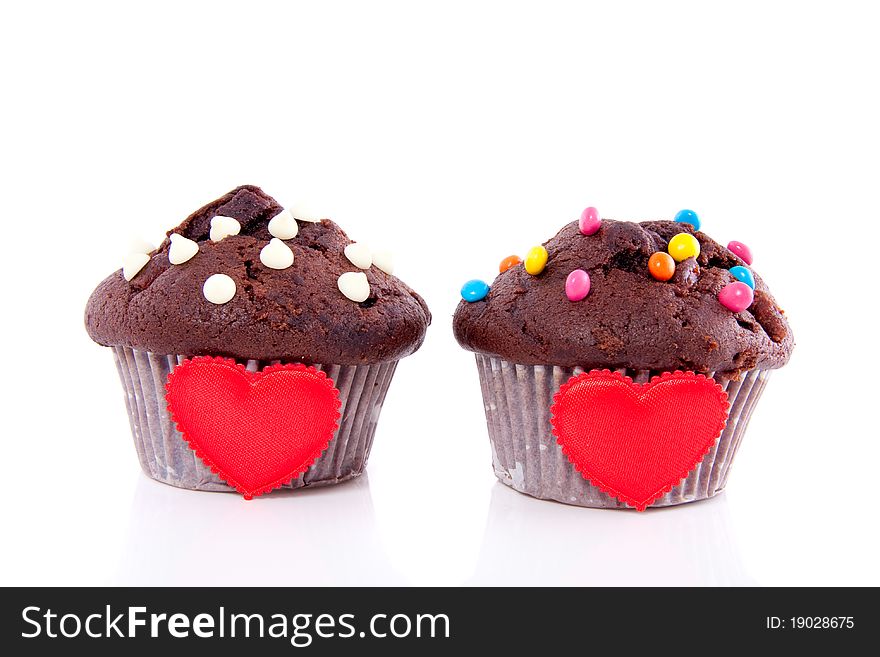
256, 430
637, 441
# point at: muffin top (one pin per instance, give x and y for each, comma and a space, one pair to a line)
250, 281
628, 318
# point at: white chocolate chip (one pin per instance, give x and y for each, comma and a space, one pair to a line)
137, 245
359, 255
181, 249
223, 227
354, 285
384, 261
276, 254
306, 212
283, 226
219, 288
133, 263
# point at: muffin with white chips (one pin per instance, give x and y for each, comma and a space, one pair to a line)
248, 284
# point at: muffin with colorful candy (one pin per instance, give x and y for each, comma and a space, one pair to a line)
255, 346
620, 362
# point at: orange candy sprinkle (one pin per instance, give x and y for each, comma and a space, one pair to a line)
508, 262
662, 266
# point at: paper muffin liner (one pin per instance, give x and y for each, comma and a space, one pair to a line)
526, 456
165, 456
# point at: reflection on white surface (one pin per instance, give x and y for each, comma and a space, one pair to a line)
329, 536
534, 542
289, 538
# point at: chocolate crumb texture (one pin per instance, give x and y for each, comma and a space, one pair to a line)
629, 319
294, 314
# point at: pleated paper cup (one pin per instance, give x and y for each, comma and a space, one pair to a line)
526, 456
165, 456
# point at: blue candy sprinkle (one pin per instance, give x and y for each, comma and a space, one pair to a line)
474, 290
688, 217
743, 274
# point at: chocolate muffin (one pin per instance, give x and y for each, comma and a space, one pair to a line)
246, 280
640, 299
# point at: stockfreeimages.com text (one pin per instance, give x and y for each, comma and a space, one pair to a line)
299, 629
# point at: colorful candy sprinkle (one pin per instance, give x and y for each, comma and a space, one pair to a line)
736, 297
740, 249
508, 262
577, 285
536, 260
688, 217
474, 290
589, 222
662, 266
743, 274
684, 246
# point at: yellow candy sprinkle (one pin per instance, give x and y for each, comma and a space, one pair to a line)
536, 260
684, 246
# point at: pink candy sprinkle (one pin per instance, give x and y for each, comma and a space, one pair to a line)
590, 221
736, 297
577, 285
742, 251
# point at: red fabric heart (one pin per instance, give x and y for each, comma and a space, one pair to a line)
636, 441
257, 430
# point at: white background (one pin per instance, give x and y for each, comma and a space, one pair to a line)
456, 134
